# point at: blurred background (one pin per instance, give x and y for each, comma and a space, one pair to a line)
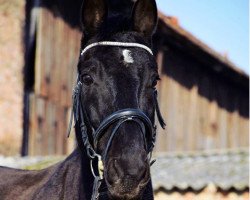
203, 58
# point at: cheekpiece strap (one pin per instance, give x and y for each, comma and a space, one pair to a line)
158, 112
96, 186
75, 106
78, 116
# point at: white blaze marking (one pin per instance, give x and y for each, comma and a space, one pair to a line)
127, 56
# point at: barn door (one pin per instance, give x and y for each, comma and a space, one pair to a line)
56, 56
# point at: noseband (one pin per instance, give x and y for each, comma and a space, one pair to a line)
115, 120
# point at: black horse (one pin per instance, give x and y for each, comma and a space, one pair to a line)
114, 106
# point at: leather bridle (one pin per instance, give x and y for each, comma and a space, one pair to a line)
115, 120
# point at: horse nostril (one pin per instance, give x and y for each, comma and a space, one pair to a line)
113, 171
118, 169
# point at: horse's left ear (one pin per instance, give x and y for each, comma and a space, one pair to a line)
145, 17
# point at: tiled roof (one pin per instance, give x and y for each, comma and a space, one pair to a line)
226, 170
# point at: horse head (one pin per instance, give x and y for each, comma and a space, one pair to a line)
117, 74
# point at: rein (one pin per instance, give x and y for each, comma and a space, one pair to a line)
117, 119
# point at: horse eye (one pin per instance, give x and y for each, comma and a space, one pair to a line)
156, 79
87, 79
154, 83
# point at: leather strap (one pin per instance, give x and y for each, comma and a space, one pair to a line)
158, 112
125, 114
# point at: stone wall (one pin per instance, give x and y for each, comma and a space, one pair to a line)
12, 13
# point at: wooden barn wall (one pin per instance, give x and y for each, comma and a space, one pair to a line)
57, 50
203, 110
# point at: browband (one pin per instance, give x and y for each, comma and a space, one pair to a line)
117, 44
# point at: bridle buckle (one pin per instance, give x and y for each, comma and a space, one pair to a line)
99, 165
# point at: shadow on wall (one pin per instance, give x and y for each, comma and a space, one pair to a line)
70, 12
214, 87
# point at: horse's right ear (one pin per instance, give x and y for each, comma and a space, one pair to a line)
93, 13
145, 17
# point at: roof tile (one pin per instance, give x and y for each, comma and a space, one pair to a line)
225, 170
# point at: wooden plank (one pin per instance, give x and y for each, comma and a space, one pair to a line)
192, 119
243, 119
171, 115
61, 58
39, 62
244, 131
233, 117
234, 131
186, 103
71, 67
202, 113
179, 99
212, 110
52, 59
64, 66
40, 117
51, 137
63, 133
223, 127
215, 114
32, 125
187, 108
212, 126
61, 130
44, 53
